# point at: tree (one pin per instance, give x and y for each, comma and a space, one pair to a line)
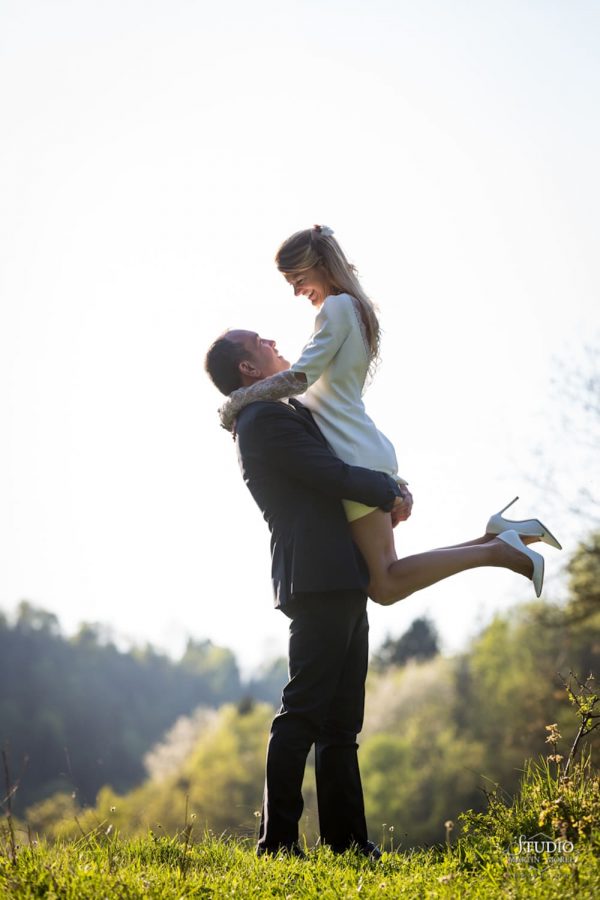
31, 618
269, 681
219, 782
83, 713
584, 580
217, 664
419, 642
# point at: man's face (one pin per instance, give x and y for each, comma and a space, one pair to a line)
263, 358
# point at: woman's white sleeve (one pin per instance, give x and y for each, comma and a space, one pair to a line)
274, 387
332, 326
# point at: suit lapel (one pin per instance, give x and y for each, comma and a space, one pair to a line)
307, 416
300, 409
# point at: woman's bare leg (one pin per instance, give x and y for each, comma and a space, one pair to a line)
393, 579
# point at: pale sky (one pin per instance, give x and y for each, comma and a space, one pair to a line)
153, 156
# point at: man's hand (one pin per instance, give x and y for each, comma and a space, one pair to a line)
402, 507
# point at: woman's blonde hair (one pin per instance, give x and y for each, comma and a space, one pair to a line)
316, 247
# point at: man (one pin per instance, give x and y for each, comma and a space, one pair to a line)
320, 582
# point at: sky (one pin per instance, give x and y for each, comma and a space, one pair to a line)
153, 156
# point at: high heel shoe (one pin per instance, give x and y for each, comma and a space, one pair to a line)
529, 527
537, 576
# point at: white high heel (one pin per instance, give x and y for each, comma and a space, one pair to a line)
528, 527
513, 539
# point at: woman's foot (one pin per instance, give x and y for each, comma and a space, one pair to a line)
518, 558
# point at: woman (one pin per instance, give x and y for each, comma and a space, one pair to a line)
331, 373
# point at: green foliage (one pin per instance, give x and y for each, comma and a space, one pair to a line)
216, 665
438, 735
418, 769
510, 686
557, 805
83, 713
559, 808
416, 782
584, 581
421, 759
419, 642
218, 785
269, 681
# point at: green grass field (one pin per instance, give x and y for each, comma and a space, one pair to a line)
543, 842
105, 866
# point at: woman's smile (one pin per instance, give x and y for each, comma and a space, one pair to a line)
311, 283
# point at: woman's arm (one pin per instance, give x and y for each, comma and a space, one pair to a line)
332, 327
275, 387
282, 441
333, 324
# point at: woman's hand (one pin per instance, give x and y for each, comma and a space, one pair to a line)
402, 507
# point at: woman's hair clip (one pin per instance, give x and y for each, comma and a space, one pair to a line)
324, 230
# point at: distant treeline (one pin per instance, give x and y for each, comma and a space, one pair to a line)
78, 713
439, 733
136, 738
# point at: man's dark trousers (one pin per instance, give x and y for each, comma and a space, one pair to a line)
322, 704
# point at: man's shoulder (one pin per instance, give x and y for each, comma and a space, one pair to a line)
264, 419
262, 411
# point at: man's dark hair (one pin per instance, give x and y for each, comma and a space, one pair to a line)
222, 364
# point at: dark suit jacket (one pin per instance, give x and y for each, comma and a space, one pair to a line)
298, 483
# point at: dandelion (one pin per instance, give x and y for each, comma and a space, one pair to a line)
391, 831
448, 825
113, 809
257, 825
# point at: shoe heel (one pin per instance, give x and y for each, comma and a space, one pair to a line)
525, 527
508, 505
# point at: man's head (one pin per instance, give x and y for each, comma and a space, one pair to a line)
239, 358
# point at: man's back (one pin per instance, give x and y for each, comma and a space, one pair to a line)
298, 484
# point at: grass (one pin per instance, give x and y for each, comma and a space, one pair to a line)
487, 860
556, 802
99, 866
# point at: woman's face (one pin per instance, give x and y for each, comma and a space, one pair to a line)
312, 283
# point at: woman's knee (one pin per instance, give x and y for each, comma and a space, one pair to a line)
386, 592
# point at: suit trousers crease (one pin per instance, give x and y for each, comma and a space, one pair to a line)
322, 704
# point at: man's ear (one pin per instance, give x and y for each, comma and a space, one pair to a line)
247, 368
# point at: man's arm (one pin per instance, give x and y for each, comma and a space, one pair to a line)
283, 441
